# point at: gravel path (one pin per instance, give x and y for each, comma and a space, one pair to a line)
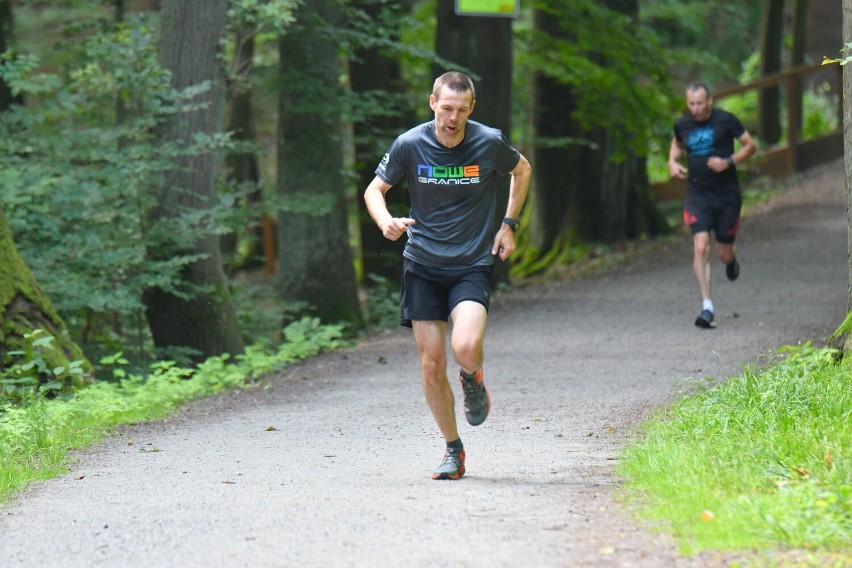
342, 476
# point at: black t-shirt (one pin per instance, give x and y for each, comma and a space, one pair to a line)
714, 137
453, 192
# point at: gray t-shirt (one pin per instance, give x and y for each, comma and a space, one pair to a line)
453, 192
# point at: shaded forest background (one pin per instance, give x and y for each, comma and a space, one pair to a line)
182, 178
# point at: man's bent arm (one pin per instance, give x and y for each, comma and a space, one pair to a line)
676, 169
518, 187
374, 197
504, 240
747, 150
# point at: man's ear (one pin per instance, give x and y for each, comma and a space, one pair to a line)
432, 102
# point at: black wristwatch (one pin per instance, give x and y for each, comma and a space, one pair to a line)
730, 160
514, 224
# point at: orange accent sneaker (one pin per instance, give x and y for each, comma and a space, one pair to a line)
453, 465
477, 401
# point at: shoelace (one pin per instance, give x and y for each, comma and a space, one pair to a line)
472, 389
452, 458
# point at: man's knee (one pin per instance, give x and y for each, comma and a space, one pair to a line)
701, 244
725, 252
467, 351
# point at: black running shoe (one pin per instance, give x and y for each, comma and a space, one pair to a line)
477, 401
453, 465
705, 319
732, 270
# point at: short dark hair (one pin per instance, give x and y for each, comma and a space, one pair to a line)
697, 86
456, 81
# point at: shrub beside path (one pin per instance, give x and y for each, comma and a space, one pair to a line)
328, 464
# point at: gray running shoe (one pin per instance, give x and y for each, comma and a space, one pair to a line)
453, 465
705, 319
477, 401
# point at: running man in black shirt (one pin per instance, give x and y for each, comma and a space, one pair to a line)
451, 164
713, 198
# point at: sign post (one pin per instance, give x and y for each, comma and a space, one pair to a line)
492, 8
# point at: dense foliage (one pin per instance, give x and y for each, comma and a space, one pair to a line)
81, 162
78, 174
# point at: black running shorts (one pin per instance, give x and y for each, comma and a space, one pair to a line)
430, 294
716, 212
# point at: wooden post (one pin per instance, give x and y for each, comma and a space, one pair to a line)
793, 121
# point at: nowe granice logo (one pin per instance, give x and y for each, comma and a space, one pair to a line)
448, 175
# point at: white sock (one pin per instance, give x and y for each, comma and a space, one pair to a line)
708, 304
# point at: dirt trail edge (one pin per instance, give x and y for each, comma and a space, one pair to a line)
343, 478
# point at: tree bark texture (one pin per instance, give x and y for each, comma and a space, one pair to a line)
315, 260
842, 337
824, 38
6, 28
847, 140
206, 323
560, 170
242, 167
769, 99
797, 57
581, 188
25, 308
373, 71
483, 46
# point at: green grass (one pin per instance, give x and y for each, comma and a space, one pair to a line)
37, 434
762, 461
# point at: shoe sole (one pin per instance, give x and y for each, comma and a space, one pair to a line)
452, 476
703, 323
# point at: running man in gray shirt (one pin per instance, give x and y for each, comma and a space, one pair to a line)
451, 165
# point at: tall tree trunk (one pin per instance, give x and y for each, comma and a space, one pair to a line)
242, 167
145, 5
797, 57
484, 46
315, 261
206, 323
559, 167
847, 142
6, 27
824, 38
373, 72
584, 184
621, 207
842, 337
771, 41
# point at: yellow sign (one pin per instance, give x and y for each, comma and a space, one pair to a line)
498, 8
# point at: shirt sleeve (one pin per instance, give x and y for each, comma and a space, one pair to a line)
391, 168
677, 135
507, 157
737, 128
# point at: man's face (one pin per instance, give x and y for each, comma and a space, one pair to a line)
451, 112
699, 104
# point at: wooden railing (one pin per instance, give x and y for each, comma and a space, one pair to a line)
795, 154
